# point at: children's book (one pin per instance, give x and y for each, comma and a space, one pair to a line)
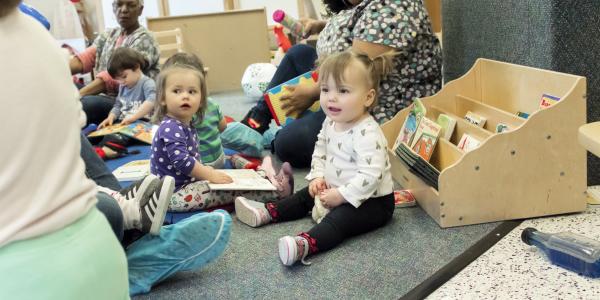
418, 165
244, 180
475, 119
273, 98
404, 198
133, 170
447, 123
468, 142
425, 138
548, 100
139, 130
411, 123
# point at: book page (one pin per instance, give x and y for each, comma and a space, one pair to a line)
244, 180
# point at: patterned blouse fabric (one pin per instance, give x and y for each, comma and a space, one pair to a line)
403, 25
140, 40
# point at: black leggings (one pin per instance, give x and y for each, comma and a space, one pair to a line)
341, 222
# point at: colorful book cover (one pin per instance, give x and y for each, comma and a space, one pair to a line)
425, 138
409, 127
139, 130
548, 100
447, 123
404, 198
475, 119
273, 98
468, 143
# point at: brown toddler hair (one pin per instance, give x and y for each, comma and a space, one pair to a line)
376, 69
160, 109
183, 58
124, 58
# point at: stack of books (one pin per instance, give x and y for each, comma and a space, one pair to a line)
418, 165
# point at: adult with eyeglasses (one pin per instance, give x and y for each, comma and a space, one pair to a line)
95, 58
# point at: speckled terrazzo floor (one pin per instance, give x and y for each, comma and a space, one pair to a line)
513, 270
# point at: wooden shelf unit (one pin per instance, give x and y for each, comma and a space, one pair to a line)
537, 168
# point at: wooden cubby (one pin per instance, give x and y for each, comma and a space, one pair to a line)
537, 168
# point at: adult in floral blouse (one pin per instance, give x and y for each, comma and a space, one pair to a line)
370, 26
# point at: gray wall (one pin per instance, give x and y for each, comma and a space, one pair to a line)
550, 34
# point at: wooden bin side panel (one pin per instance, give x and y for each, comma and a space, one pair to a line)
227, 42
514, 88
545, 175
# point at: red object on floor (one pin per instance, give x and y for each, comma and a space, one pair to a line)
244, 162
228, 119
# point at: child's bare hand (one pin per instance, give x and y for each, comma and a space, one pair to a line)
331, 198
128, 120
220, 177
316, 186
107, 122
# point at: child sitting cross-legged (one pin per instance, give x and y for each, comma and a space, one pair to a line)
135, 100
350, 170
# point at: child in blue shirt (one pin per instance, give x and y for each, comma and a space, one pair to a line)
137, 93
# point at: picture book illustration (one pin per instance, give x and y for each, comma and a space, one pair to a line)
411, 123
139, 130
273, 98
548, 100
425, 138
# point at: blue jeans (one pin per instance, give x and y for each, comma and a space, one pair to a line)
298, 60
97, 107
295, 142
95, 168
113, 213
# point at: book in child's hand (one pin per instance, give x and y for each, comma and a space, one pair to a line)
425, 138
139, 130
548, 100
475, 119
468, 142
447, 123
243, 180
133, 170
409, 127
273, 98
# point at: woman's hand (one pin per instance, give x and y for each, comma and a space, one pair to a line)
331, 198
219, 177
312, 26
316, 186
107, 122
298, 98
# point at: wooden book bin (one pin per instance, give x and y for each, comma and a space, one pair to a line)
537, 168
